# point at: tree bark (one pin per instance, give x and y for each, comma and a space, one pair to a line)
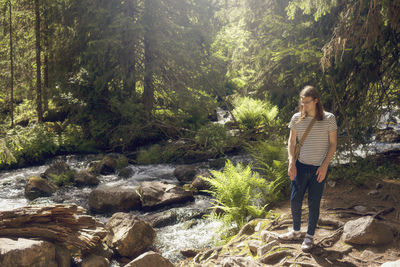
62, 223
12, 69
148, 90
46, 62
38, 64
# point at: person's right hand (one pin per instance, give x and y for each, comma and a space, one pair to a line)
292, 171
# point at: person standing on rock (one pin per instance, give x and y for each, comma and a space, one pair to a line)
308, 170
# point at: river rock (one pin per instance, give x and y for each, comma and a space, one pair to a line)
367, 231
217, 164
25, 252
126, 173
107, 165
262, 250
113, 199
199, 183
63, 256
163, 219
185, 173
129, 236
150, 259
189, 253
39, 187
157, 194
267, 236
84, 177
57, 168
391, 264
95, 260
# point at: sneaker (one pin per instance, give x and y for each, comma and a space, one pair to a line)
307, 244
291, 235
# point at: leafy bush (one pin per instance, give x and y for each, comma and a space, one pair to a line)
364, 170
253, 113
212, 137
28, 144
271, 162
67, 178
159, 154
238, 192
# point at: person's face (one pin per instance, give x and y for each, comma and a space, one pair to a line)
308, 103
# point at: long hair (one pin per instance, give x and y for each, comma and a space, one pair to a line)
310, 91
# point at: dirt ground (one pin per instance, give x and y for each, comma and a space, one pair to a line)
343, 202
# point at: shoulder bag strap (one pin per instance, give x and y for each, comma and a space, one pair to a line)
306, 132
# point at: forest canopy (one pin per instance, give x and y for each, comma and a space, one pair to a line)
115, 75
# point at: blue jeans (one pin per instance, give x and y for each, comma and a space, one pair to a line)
306, 179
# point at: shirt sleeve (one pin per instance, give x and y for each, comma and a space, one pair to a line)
293, 124
332, 123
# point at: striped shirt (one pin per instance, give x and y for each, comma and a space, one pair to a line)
315, 147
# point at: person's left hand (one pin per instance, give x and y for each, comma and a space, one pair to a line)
321, 172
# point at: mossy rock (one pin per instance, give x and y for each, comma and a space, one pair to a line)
39, 187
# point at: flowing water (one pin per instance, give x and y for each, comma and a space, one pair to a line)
190, 230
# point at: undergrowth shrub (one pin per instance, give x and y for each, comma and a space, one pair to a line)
239, 193
271, 161
28, 144
213, 137
253, 113
66, 178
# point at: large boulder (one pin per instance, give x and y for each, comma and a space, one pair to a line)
185, 173
157, 194
126, 173
367, 231
201, 184
95, 260
111, 199
150, 259
128, 236
57, 168
84, 177
39, 187
25, 252
109, 164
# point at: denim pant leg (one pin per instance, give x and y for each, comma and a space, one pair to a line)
315, 191
298, 188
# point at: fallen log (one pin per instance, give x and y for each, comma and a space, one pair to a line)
65, 223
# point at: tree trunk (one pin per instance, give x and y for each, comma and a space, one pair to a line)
46, 63
12, 70
148, 90
38, 64
62, 223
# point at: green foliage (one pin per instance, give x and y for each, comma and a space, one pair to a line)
72, 140
28, 144
237, 191
64, 179
213, 137
364, 170
254, 113
316, 7
271, 162
159, 154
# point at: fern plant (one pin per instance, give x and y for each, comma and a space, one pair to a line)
253, 113
238, 193
271, 161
